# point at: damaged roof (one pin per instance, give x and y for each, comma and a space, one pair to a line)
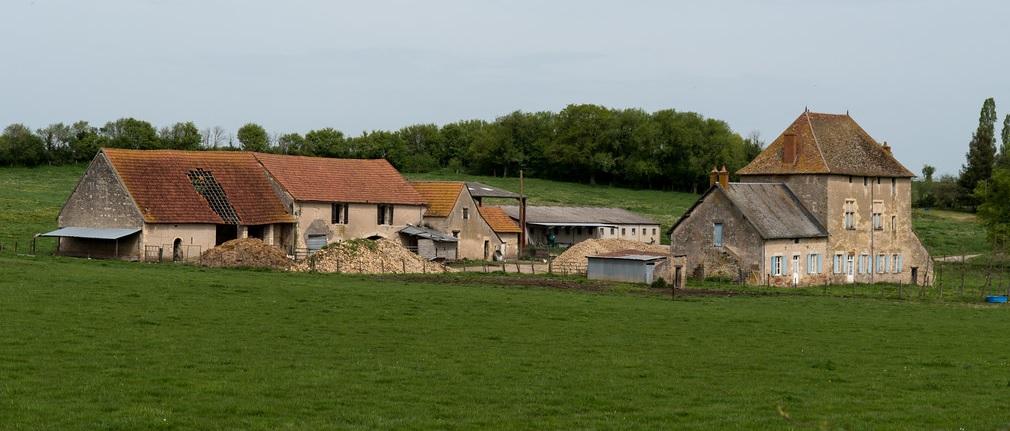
772, 208
440, 196
562, 215
319, 179
161, 183
828, 144
499, 221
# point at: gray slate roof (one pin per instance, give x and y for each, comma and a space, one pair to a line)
559, 215
774, 210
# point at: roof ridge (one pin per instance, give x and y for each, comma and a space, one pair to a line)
817, 143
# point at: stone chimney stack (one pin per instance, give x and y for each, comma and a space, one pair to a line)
790, 152
713, 177
887, 148
723, 177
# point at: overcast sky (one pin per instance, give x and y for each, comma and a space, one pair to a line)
913, 73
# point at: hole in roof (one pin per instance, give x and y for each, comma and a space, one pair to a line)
208, 187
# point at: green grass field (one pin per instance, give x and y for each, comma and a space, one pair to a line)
113, 345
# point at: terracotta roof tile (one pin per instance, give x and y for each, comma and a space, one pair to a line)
828, 143
440, 196
158, 181
498, 220
321, 179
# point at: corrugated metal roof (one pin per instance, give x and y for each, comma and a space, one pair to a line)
92, 232
481, 190
569, 215
638, 257
774, 210
423, 232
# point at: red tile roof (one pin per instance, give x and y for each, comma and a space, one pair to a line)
319, 179
440, 196
828, 144
158, 181
499, 220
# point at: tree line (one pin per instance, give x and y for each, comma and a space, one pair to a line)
665, 149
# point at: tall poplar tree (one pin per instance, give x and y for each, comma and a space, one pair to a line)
981, 154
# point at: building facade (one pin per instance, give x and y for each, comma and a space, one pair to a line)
848, 185
451, 210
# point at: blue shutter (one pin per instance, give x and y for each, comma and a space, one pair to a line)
819, 264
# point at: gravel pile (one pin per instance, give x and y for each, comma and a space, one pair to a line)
245, 253
573, 260
363, 256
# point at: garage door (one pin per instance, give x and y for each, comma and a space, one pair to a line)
316, 242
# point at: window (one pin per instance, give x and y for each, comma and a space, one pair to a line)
894, 186
836, 265
878, 209
878, 180
466, 213
813, 263
632, 231
653, 231
613, 230
455, 234
717, 234
864, 264
881, 263
776, 268
894, 222
385, 214
865, 181
897, 264
850, 179
338, 213
601, 231
850, 214
623, 231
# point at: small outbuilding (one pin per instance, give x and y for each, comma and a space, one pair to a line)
634, 266
429, 243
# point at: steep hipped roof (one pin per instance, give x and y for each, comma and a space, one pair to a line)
320, 179
440, 196
828, 144
498, 220
772, 208
161, 183
551, 214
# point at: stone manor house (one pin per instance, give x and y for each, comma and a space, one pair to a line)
824, 202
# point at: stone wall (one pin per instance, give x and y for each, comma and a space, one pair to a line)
740, 254
100, 200
472, 232
314, 218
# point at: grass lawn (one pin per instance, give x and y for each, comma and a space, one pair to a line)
112, 345
950, 232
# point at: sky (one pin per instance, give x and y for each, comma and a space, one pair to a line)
912, 73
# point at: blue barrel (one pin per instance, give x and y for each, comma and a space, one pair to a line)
996, 299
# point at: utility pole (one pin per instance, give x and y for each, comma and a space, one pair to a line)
522, 215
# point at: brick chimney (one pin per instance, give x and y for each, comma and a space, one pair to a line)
713, 177
790, 152
723, 177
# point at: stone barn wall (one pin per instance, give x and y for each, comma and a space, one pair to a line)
740, 253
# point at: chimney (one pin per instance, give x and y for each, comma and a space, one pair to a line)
713, 177
887, 148
723, 177
789, 150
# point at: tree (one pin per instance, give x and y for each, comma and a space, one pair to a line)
1003, 160
981, 154
214, 137
131, 133
291, 143
253, 137
326, 142
925, 198
181, 136
994, 210
19, 146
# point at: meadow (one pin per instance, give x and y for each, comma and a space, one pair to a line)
116, 345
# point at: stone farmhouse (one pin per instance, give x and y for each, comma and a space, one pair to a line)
451, 209
823, 203
174, 205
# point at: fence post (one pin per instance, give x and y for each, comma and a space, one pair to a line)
404, 262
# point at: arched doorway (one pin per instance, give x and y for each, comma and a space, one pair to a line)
177, 250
